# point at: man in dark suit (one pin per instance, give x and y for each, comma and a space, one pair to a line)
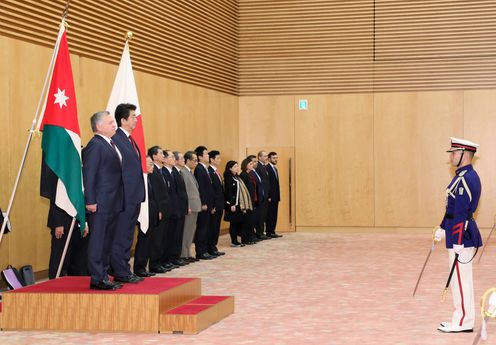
142, 251
75, 262
134, 194
173, 213
219, 202
264, 204
207, 200
104, 196
161, 196
257, 211
182, 198
274, 196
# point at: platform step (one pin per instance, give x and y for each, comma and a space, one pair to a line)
68, 304
196, 315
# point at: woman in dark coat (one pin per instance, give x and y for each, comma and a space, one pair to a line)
238, 203
248, 231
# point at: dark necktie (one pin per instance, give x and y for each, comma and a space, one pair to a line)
220, 178
135, 146
116, 152
254, 181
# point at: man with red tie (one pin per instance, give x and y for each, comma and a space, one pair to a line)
207, 204
216, 217
134, 194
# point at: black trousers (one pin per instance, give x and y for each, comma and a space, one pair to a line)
157, 243
202, 228
169, 241
142, 252
123, 240
247, 231
76, 258
235, 230
178, 241
271, 223
214, 231
260, 215
102, 229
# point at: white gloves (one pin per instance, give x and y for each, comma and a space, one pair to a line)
458, 248
439, 235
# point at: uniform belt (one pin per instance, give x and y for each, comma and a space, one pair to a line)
470, 216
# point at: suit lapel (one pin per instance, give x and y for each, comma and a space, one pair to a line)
109, 147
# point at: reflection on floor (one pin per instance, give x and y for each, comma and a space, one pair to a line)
316, 288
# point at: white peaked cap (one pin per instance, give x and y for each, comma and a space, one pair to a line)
462, 144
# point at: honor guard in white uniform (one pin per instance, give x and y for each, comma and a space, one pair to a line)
462, 234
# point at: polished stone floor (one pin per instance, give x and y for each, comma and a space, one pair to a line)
316, 288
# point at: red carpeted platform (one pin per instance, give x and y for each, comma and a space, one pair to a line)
69, 304
150, 286
197, 314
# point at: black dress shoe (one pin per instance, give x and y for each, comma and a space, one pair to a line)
274, 235
136, 277
179, 262
158, 269
133, 279
192, 259
169, 266
219, 253
205, 256
103, 285
144, 274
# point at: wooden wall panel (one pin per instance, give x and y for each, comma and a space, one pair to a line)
189, 41
266, 121
338, 46
334, 161
309, 46
376, 160
176, 115
411, 136
479, 125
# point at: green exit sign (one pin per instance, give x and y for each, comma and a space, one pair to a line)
303, 104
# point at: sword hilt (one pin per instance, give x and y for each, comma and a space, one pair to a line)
443, 294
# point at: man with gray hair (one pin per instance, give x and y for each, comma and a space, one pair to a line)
194, 203
104, 196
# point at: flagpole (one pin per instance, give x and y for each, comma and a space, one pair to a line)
66, 245
31, 131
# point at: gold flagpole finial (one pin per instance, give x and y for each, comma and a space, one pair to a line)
129, 36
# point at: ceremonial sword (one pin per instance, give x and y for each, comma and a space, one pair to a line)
487, 240
443, 295
425, 262
486, 315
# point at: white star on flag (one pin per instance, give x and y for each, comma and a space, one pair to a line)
60, 98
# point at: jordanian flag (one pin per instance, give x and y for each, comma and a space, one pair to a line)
61, 179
